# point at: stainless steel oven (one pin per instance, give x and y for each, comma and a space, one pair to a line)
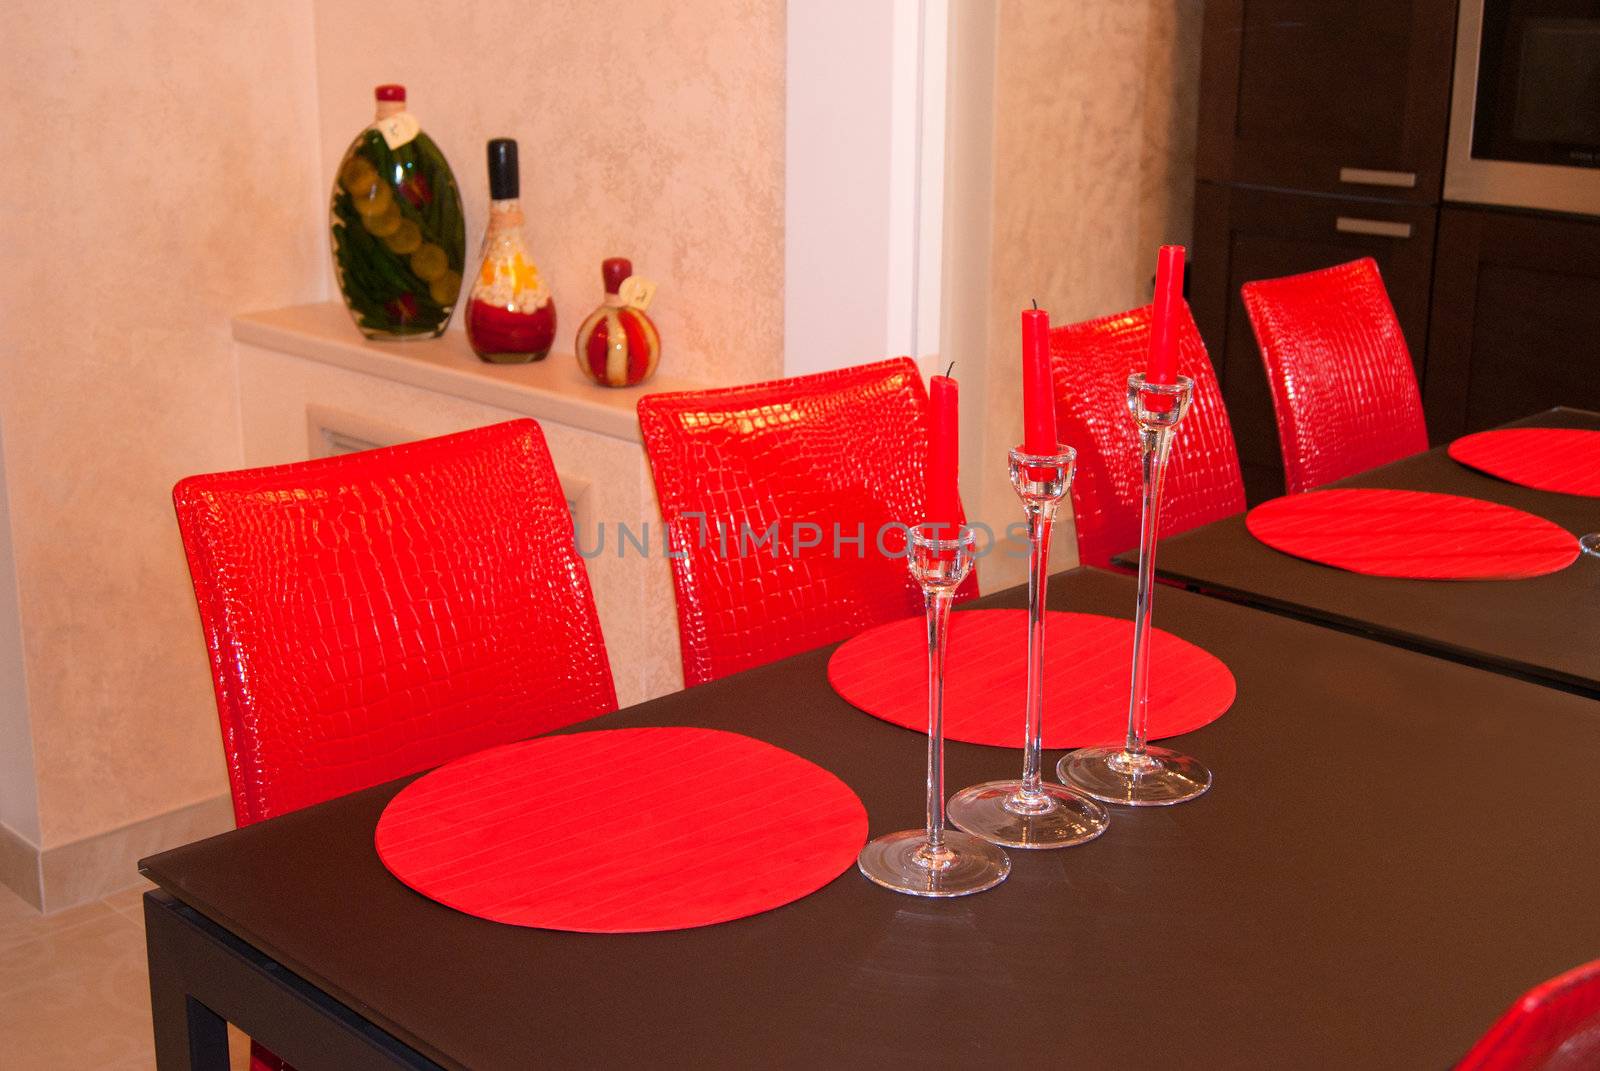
1525, 112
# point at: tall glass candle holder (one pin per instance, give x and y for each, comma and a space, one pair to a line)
1028, 813
935, 861
1136, 774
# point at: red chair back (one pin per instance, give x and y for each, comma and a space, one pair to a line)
1091, 363
1555, 1026
843, 448
1343, 389
375, 614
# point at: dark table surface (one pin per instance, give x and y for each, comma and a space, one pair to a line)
1395, 847
1541, 628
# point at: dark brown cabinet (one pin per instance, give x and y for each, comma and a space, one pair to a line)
1322, 139
1323, 126
1347, 97
1516, 318
1243, 234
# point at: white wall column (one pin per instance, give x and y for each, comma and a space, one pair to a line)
864, 182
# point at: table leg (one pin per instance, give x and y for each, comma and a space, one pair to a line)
202, 977
189, 1036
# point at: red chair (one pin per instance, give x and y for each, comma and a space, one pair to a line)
1091, 363
1343, 388
843, 448
1555, 1026
375, 614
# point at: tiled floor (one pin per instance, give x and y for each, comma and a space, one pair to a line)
73, 989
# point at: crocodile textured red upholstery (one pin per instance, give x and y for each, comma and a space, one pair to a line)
1555, 1026
371, 615
1091, 362
1343, 388
846, 447
265, 1060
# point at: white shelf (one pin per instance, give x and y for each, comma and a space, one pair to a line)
553, 389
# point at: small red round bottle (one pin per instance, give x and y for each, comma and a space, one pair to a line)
618, 345
511, 317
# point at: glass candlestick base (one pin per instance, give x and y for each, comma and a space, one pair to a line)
961, 865
1154, 777
1590, 544
1007, 813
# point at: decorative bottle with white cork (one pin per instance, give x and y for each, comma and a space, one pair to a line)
399, 238
618, 345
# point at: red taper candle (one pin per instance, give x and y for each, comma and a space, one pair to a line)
1038, 395
1164, 319
944, 497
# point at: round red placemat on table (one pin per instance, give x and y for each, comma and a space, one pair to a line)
1087, 662
623, 830
1414, 534
1565, 460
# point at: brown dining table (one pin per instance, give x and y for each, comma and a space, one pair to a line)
1540, 628
1395, 847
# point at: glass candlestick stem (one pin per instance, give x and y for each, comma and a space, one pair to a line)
1137, 774
1027, 813
934, 860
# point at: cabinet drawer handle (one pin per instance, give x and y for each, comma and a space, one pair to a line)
1361, 176
1380, 228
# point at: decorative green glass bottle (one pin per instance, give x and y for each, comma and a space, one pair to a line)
399, 238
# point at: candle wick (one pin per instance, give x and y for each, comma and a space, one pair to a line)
952, 368
1035, 304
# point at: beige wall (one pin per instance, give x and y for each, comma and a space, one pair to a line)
169, 167
1171, 109
1092, 169
653, 131
160, 177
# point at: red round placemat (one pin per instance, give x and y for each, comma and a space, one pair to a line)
1087, 662
623, 830
1415, 534
1566, 460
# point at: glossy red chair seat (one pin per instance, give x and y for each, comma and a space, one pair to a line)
844, 448
1343, 388
372, 615
1555, 1026
1091, 362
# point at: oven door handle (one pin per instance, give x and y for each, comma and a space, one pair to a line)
1379, 228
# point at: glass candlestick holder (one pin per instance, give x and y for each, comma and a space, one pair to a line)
1028, 813
1136, 774
934, 860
